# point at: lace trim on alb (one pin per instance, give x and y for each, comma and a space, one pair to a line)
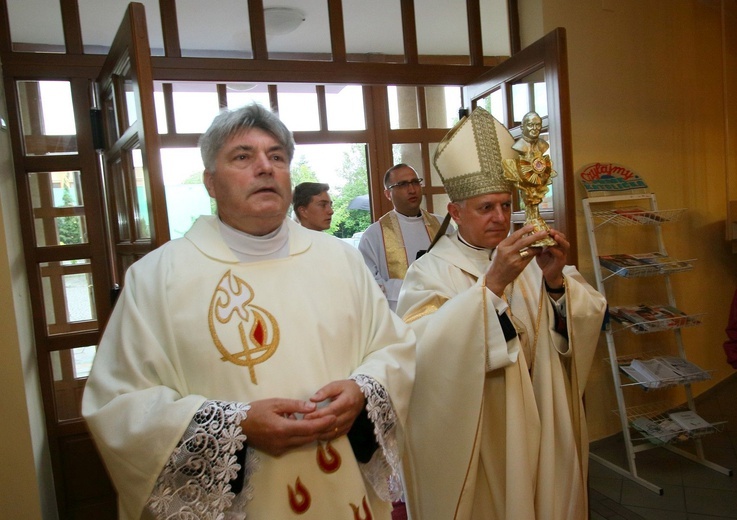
195, 482
382, 471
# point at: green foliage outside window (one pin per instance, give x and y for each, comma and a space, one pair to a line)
346, 221
68, 228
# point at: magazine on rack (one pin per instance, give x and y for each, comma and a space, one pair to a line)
626, 265
651, 318
663, 371
685, 369
642, 264
690, 421
663, 263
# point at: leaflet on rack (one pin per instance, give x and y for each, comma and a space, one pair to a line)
690, 421
663, 371
660, 432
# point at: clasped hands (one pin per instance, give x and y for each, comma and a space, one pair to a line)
278, 425
515, 252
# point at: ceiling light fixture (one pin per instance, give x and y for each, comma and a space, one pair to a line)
282, 20
241, 87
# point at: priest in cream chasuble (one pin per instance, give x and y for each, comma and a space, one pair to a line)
506, 333
251, 369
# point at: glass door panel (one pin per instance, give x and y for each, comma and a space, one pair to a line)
58, 208
536, 78
131, 161
529, 94
47, 117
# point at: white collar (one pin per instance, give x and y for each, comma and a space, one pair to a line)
406, 218
463, 241
252, 248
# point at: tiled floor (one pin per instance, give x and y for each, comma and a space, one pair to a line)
690, 490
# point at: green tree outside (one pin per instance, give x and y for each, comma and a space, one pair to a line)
302, 172
68, 228
346, 221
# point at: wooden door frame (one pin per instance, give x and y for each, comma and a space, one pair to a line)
549, 54
130, 57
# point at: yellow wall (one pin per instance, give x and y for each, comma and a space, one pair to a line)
650, 89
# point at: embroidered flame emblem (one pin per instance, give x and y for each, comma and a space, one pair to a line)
328, 458
299, 497
256, 329
357, 511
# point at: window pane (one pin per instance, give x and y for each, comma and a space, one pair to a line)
109, 111
493, 104
541, 99
160, 107
82, 358
142, 217
442, 104
195, 106
434, 175
30, 32
70, 369
494, 28
440, 203
47, 117
409, 153
320, 163
529, 94
520, 101
344, 167
130, 102
100, 20
403, 109
241, 94
58, 208
364, 20
68, 296
114, 175
298, 106
345, 107
196, 19
448, 38
186, 196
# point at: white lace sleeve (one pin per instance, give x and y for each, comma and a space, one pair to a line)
195, 482
382, 471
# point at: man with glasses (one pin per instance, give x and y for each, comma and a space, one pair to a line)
392, 243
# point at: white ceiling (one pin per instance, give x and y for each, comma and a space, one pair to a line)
212, 27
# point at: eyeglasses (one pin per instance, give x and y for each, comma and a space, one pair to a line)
406, 184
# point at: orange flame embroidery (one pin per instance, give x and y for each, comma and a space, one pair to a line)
300, 499
328, 458
357, 513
